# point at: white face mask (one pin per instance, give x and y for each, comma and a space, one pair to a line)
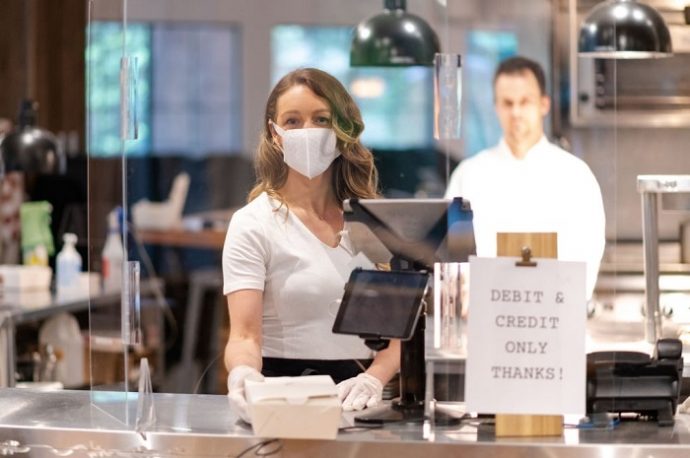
309, 151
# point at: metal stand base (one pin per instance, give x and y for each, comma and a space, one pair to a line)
397, 413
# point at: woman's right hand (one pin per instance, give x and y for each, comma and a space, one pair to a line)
236, 394
243, 350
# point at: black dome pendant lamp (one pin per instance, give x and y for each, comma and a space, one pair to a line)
393, 38
29, 148
624, 29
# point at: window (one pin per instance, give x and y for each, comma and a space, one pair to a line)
188, 88
103, 55
196, 107
396, 103
485, 49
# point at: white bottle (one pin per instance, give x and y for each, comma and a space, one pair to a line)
63, 334
112, 255
68, 266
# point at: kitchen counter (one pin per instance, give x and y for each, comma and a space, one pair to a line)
64, 423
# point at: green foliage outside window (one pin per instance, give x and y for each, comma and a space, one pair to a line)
103, 56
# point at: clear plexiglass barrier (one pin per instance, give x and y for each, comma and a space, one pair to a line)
176, 94
116, 339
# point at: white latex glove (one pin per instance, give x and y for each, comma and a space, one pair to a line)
236, 396
358, 392
685, 406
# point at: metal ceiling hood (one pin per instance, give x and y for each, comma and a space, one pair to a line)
393, 38
624, 29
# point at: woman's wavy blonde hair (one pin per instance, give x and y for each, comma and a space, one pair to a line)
354, 173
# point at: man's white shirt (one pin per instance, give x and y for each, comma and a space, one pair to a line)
549, 190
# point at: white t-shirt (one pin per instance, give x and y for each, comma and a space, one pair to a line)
268, 248
549, 190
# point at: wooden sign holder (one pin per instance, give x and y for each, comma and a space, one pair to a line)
526, 245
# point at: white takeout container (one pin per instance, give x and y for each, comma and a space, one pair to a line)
304, 407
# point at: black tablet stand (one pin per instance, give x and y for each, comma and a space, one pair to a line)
449, 238
410, 407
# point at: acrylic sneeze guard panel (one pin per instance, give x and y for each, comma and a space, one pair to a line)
166, 146
539, 31
111, 128
615, 308
397, 110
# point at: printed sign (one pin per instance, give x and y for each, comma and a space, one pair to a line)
526, 337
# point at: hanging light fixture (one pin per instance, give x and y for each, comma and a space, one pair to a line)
29, 148
393, 38
624, 29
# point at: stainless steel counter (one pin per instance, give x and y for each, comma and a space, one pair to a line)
64, 423
17, 307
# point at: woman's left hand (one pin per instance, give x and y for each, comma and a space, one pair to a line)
359, 392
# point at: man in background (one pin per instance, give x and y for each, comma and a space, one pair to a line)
527, 184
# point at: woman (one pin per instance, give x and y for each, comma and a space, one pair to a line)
286, 258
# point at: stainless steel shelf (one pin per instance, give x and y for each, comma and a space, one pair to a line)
651, 187
663, 183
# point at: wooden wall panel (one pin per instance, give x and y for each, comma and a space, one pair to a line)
42, 49
12, 74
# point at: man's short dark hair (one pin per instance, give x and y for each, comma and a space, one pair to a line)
520, 64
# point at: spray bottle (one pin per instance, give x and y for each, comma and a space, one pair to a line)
112, 255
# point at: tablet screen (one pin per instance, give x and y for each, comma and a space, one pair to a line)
381, 303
